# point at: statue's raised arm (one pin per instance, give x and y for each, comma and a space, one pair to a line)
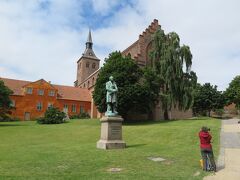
111, 98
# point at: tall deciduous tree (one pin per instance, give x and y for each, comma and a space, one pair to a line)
172, 64
5, 101
133, 95
207, 98
232, 93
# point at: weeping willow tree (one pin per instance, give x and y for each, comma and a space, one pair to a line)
172, 64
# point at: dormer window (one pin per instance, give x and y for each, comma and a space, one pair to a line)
40, 92
29, 90
90, 54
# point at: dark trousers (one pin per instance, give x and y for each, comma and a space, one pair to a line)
207, 155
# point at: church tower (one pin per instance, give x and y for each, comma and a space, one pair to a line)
88, 63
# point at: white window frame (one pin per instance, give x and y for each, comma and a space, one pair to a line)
82, 110
51, 93
65, 108
74, 109
40, 92
39, 106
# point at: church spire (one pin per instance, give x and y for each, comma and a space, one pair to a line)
89, 50
89, 39
89, 42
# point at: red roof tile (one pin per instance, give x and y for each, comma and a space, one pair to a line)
15, 85
73, 93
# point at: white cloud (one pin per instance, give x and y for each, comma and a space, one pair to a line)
104, 6
39, 42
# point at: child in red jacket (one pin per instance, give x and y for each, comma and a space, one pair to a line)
206, 148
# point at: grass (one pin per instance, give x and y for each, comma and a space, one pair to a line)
68, 151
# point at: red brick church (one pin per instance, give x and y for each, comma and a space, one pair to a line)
88, 69
31, 99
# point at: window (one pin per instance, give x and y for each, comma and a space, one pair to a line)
51, 93
93, 81
74, 108
39, 106
93, 65
29, 90
13, 104
87, 64
50, 105
40, 92
84, 85
88, 84
65, 108
81, 109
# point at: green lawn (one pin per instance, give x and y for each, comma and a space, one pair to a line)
68, 151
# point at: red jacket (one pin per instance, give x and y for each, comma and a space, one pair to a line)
205, 140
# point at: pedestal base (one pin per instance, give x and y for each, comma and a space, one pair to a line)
111, 133
115, 144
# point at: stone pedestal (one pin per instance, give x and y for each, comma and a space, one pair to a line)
111, 133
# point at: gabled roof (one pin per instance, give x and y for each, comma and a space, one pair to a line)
64, 92
39, 83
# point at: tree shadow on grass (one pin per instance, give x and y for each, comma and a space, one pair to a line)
9, 125
151, 122
136, 123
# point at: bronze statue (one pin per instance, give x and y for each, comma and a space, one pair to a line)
111, 98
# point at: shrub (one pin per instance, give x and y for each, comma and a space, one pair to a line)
8, 118
52, 116
75, 116
82, 115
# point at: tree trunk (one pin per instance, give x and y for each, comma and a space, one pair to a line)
209, 113
166, 117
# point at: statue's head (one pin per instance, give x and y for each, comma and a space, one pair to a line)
111, 78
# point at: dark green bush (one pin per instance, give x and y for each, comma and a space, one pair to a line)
82, 115
8, 118
52, 116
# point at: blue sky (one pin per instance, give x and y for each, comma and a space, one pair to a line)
45, 38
